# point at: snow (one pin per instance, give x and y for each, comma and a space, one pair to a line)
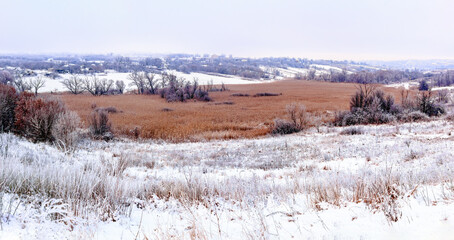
442, 88
405, 85
217, 79
55, 85
326, 67
291, 72
255, 188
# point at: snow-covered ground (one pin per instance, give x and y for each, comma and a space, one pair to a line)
392, 182
405, 85
55, 85
442, 88
413, 84
326, 67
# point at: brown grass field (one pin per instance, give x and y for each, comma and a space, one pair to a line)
247, 117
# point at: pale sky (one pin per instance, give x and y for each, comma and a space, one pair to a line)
329, 29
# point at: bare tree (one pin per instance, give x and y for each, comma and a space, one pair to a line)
6, 77
138, 80
91, 85
298, 76
21, 84
36, 84
164, 80
120, 86
311, 74
74, 84
105, 86
152, 83
98, 87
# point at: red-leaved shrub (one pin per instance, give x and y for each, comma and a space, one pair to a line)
35, 117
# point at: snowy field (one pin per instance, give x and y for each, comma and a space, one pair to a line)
392, 182
404, 85
449, 88
55, 85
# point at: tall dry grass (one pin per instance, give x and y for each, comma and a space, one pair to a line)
247, 117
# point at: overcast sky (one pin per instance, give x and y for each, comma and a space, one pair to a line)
330, 29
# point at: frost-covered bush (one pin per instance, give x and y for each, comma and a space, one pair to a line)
299, 115
370, 106
35, 117
299, 119
361, 116
352, 131
65, 131
100, 125
414, 116
428, 105
8, 99
347, 118
284, 127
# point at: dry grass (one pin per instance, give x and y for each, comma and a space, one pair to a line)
247, 117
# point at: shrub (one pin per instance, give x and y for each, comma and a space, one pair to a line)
427, 105
414, 116
299, 120
436, 110
347, 118
136, 132
362, 116
100, 126
374, 100
284, 127
267, 94
64, 130
352, 131
108, 109
224, 103
339, 118
176, 92
385, 118
298, 115
202, 95
8, 99
240, 95
363, 97
371, 106
423, 86
35, 117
